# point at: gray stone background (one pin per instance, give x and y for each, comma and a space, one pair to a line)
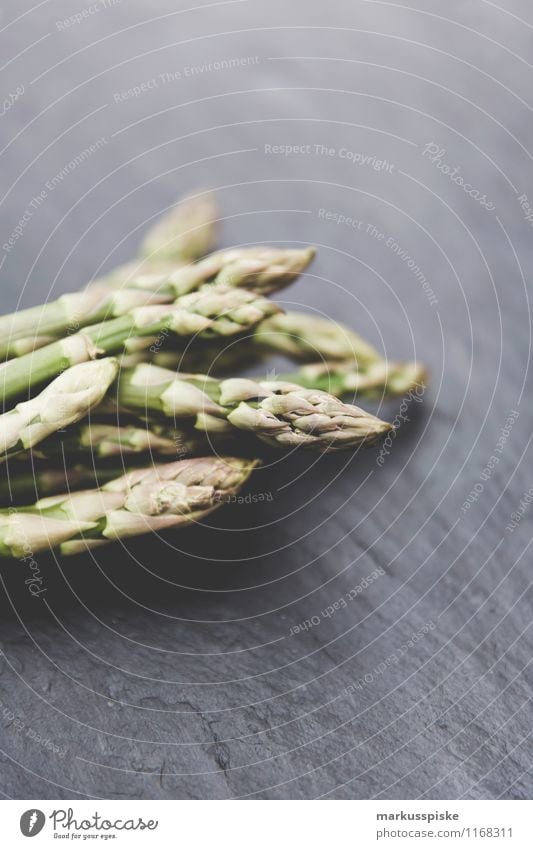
167, 668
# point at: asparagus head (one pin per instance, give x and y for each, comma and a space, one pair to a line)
260, 269
64, 401
184, 233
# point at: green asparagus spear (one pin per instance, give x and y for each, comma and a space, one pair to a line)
185, 233
25, 484
279, 413
299, 336
104, 441
374, 381
345, 365
141, 501
308, 338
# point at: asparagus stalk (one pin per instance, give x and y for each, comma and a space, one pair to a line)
279, 413
348, 364
64, 401
208, 358
162, 439
25, 346
67, 315
374, 381
304, 337
260, 270
105, 441
209, 313
299, 336
382, 379
22, 486
141, 501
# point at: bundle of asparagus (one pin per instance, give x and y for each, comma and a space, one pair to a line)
135, 370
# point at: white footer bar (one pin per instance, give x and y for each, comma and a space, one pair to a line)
264, 824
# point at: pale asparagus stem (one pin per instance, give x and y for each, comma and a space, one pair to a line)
64, 401
141, 501
282, 414
376, 380
104, 441
260, 270
209, 313
29, 343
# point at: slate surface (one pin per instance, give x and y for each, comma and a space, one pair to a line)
172, 668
